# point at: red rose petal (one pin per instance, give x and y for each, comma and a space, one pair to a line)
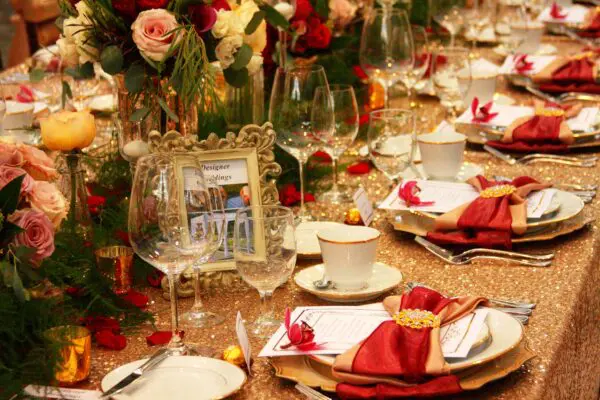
359, 168
136, 298
154, 278
322, 156
110, 340
161, 337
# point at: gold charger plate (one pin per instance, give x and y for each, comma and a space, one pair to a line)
303, 369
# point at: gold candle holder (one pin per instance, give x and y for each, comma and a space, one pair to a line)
75, 350
115, 262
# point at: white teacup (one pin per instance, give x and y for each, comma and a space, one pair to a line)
483, 86
442, 154
18, 115
530, 32
349, 253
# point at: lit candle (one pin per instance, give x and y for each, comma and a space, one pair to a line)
68, 131
285, 9
135, 149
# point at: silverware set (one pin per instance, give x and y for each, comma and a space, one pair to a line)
562, 98
519, 309
310, 393
466, 257
584, 161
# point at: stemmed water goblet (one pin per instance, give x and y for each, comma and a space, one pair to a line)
161, 229
451, 73
422, 61
391, 139
336, 141
386, 47
265, 256
452, 20
291, 112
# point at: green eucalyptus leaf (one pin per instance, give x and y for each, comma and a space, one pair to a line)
66, 93
134, 78
84, 71
242, 57
236, 78
167, 110
139, 115
274, 17
9, 195
36, 75
111, 60
254, 23
17, 285
9, 231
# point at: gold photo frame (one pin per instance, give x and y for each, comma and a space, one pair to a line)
253, 145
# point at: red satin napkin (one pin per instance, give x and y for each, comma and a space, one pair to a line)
575, 74
401, 359
593, 26
491, 219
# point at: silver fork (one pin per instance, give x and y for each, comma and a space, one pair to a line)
585, 192
310, 393
467, 257
549, 158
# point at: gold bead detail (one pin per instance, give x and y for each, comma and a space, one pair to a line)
497, 191
417, 319
549, 112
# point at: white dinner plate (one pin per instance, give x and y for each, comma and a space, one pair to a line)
180, 378
384, 278
307, 244
467, 171
506, 334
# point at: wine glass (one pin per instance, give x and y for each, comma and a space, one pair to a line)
452, 77
337, 140
290, 111
422, 59
265, 255
165, 188
207, 224
386, 47
391, 138
452, 20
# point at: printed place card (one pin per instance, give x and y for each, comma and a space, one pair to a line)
242, 335
365, 208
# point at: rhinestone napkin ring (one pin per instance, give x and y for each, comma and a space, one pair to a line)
498, 191
417, 319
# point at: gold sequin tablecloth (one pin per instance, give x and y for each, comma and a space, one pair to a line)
563, 331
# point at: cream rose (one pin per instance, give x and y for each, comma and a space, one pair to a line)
258, 39
221, 28
153, 34
254, 64
68, 51
227, 48
342, 12
46, 197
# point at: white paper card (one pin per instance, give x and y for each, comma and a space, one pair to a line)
449, 195
365, 208
476, 321
242, 336
51, 392
539, 63
226, 172
192, 179
574, 15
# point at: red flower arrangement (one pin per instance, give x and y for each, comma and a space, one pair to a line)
289, 195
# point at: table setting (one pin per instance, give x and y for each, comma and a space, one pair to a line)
266, 200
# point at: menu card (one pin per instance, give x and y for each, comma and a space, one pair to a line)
539, 63
339, 328
584, 121
449, 195
573, 15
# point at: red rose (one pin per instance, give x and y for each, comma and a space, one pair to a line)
203, 17
220, 5
95, 203
318, 36
125, 7
303, 10
289, 195
149, 4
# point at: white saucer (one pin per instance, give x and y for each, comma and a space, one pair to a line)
307, 244
179, 377
467, 171
384, 278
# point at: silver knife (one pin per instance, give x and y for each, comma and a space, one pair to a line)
500, 155
156, 358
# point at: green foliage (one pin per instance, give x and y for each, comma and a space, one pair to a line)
36, 75
111, 60
134, 78
83, 71
254, 23
65, 94
236, 78
242, 57
321, 7
274, 17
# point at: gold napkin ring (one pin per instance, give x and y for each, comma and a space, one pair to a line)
497, 191
417, 319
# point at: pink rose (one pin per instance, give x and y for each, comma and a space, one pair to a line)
10, 155
152, 33
38, 234
46, 198
7, 174
37, 163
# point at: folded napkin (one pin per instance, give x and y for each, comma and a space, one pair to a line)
403, 357
545, 132
491, 219
591, 24
574, 73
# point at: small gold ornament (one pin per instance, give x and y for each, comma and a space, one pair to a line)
352, 217
417, 319
498, 191
234, 355
549, 112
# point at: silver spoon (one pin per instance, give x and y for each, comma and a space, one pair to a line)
323, 283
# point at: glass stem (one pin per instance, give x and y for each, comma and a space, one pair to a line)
451, 39
335, 173
197, 307
176, 341
266, 304
282, 47
386, 99
72, 163
302, 208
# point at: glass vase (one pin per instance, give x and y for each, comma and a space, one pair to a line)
72, 185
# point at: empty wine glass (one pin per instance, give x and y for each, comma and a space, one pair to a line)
207, 224
391, 138
345, 128
291, 110
265, 256
386, 47
452, 20
160, 228
422, 59
452, 77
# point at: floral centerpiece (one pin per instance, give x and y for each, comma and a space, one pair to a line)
165, 48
